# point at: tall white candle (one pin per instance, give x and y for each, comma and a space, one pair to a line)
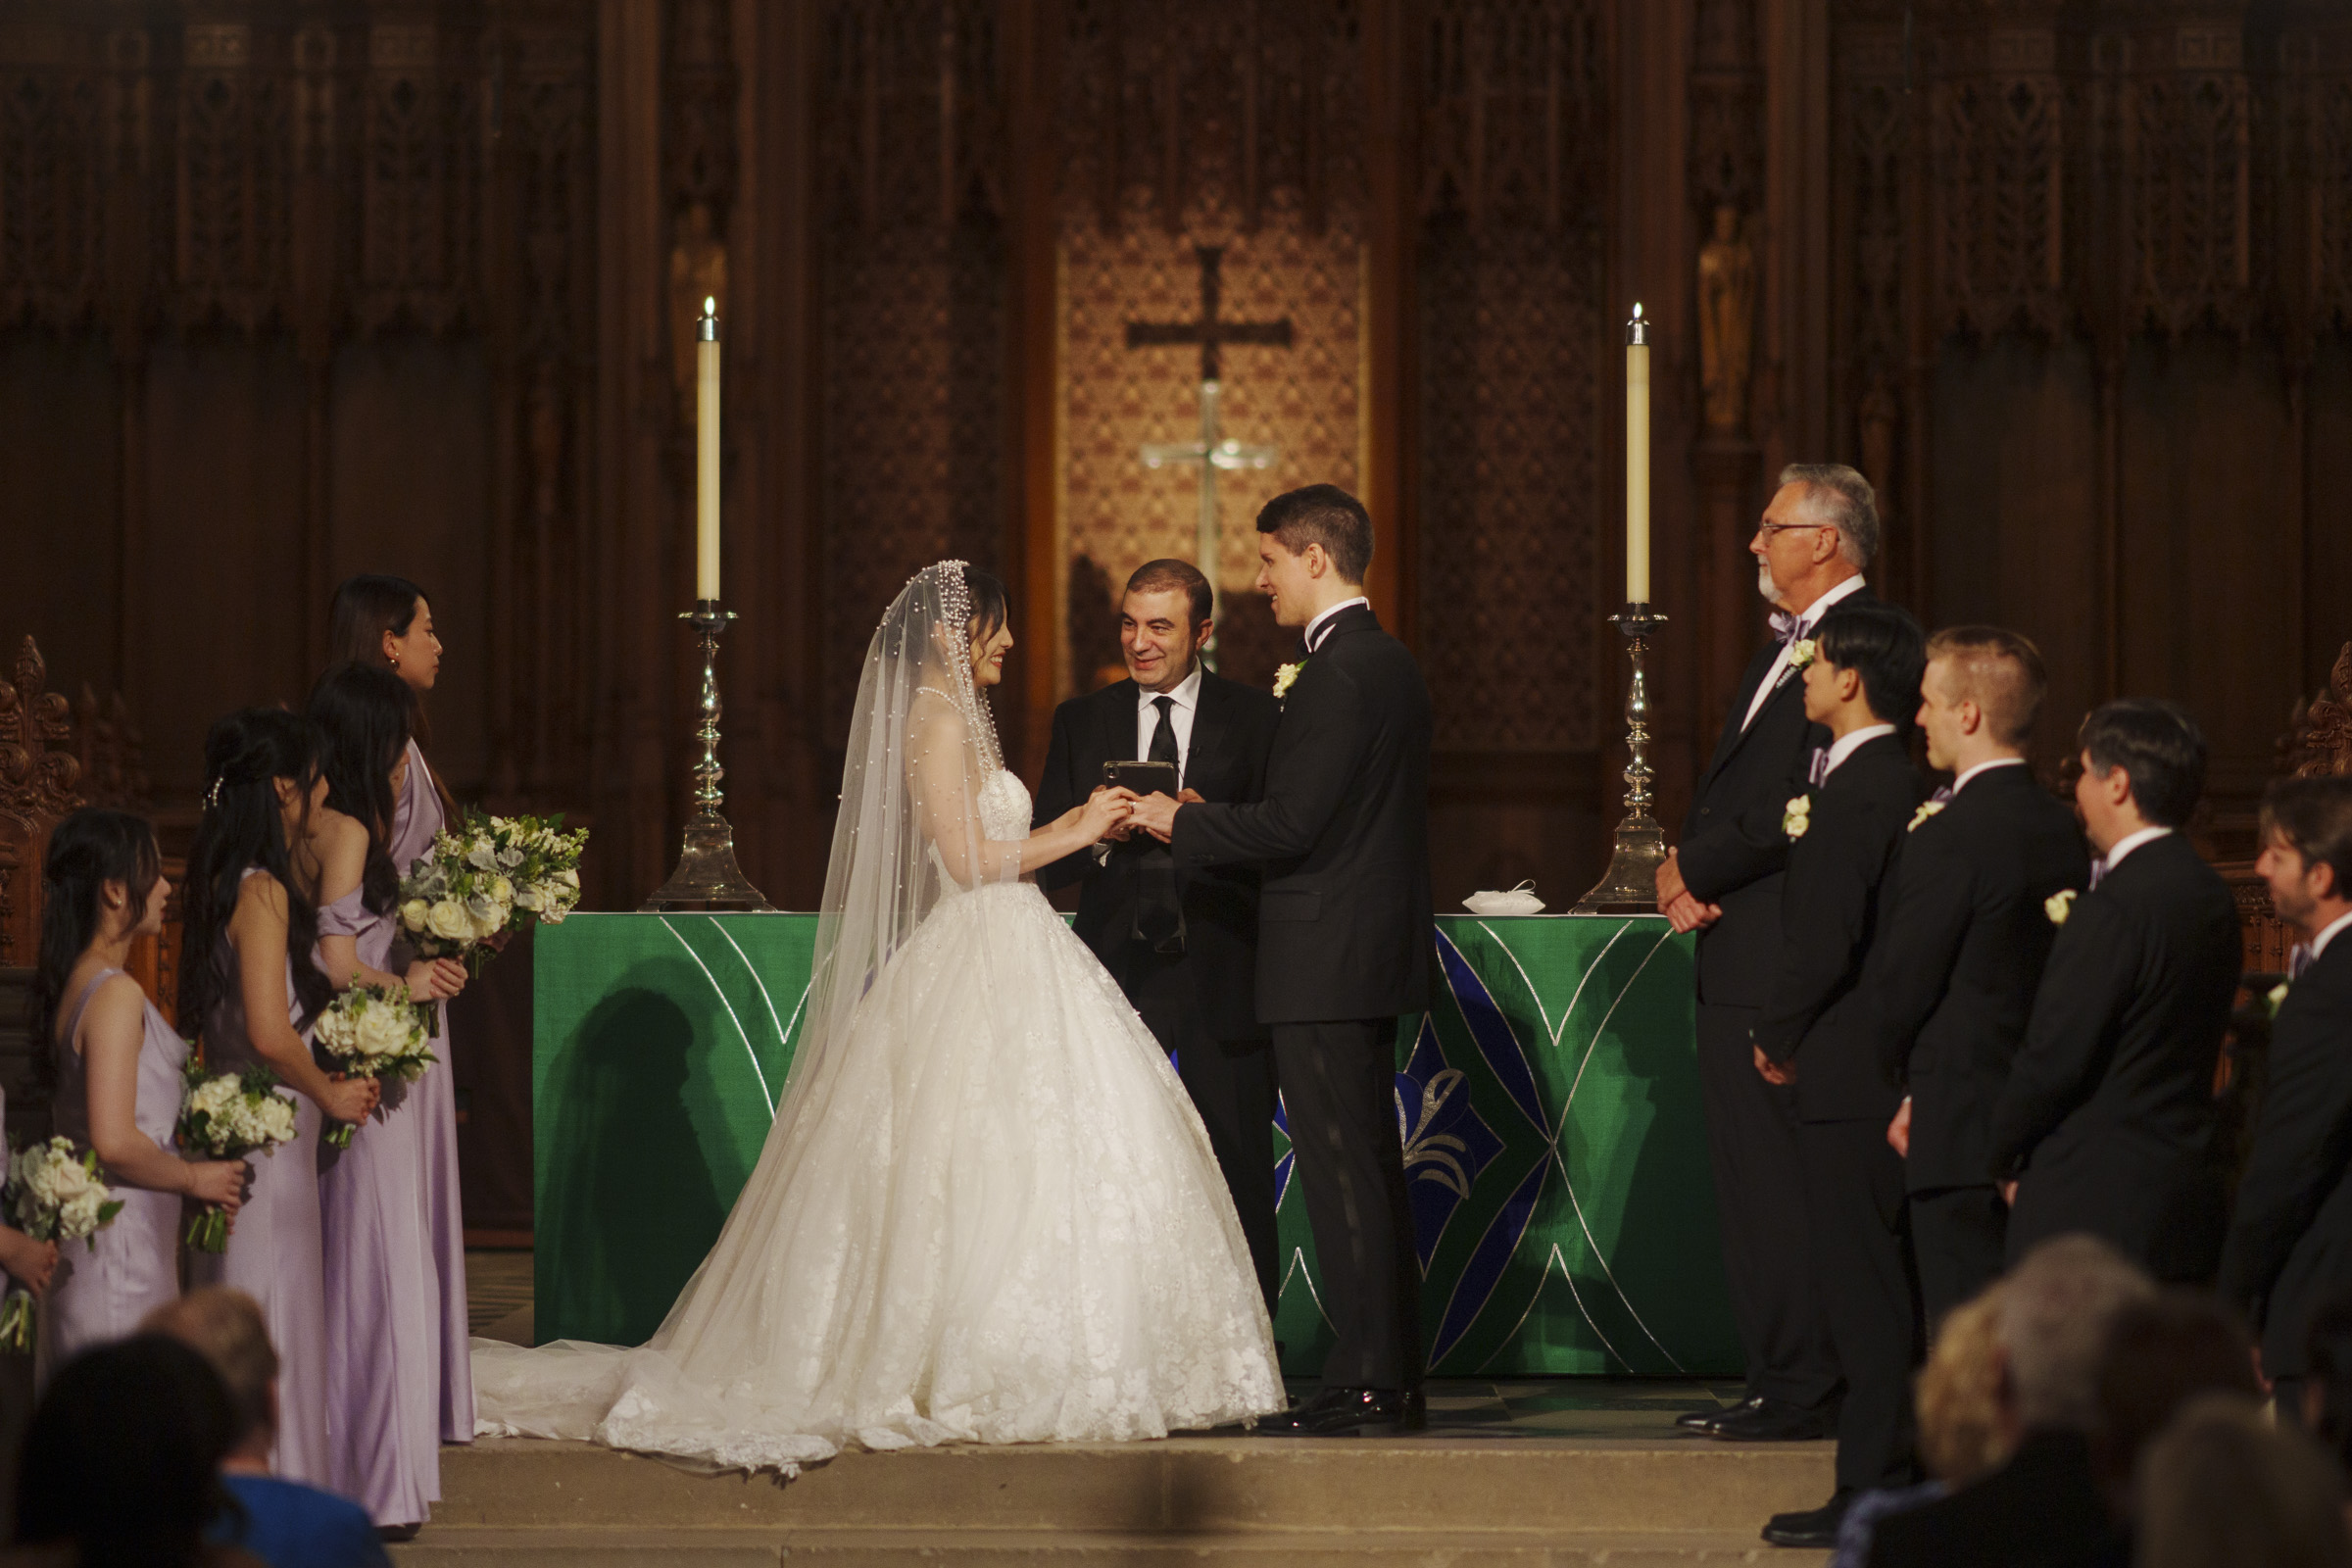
1636, 460
706, 454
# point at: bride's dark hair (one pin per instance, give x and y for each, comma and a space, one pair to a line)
989, 610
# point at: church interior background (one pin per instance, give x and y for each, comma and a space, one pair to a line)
291, 290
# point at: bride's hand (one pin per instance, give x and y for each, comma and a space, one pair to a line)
1105, 809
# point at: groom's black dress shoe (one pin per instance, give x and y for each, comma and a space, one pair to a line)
1816, 1528
1333, 1412
1774, 1421
1707, 1421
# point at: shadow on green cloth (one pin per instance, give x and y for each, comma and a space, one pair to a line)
628, 1208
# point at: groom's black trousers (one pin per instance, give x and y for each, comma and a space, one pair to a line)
1340, 1080
1232, 1085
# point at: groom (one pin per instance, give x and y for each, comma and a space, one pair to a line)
1343, 938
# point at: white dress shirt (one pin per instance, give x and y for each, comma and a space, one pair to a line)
1804, 628
1845, 746
2319, 944
2130, 842
1314, 628
1187, 697
1961, 782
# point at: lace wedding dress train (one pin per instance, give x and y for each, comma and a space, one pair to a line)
988, 1212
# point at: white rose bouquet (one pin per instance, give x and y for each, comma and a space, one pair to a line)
54, 1194
373, 1032
491, 876
228, 1116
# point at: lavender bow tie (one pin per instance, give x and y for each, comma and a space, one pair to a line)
2298, 961
1787, 628
1943, 794
2099, 870
1817, 771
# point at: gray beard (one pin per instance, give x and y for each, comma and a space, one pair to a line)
1765, 586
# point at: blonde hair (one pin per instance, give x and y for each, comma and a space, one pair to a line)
1960, 1432
2000, 671
227, 1328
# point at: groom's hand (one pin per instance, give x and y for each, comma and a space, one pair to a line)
1155, 815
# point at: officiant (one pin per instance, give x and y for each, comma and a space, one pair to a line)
1182, 945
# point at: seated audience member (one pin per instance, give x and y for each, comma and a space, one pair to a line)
2106, 1122
2290, 1238
1961, 1434
2161, 1354
286, 1523
2222, 1487
121, 1461
2042, 1506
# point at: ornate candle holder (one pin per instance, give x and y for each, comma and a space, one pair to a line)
708, 878
1630, 885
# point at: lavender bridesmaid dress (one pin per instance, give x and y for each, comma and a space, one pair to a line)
275, 1252
433, 1102
383, 1288
105, 1285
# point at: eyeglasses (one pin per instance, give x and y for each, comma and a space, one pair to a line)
1768, 529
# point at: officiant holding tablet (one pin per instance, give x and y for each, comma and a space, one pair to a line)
1183, 946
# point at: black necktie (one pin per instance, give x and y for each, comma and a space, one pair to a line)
1159, 907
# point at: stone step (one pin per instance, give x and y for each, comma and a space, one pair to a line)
452, 1546
1536, 1488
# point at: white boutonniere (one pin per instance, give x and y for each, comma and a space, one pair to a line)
2058, 906
1802, 652
2276, 995
1927, 808
1798, 817
1286, 677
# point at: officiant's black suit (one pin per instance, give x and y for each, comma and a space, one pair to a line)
2291, 1241
1732, 852
2107, 1119
1837, 894
1964, 948
1344, 940
1199, 1002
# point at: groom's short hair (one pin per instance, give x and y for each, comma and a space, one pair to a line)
1322, 515
1170, 576
1883, 645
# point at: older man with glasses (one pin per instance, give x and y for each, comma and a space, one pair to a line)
1723, 880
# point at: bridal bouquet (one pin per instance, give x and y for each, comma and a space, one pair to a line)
54, 1194
373, 1032
228, 1116
492, 875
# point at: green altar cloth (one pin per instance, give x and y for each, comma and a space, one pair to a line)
1548, 1102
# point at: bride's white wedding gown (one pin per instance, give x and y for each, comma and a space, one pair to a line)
992, 1217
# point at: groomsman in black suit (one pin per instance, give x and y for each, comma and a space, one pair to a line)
1345, 937
1724, 881
1965, 947
2290, 1242
1183, 945
1817, 1033
2106, 1123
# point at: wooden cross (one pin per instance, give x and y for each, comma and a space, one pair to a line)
1211, 451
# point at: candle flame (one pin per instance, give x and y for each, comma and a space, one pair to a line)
1636, 310
710, 305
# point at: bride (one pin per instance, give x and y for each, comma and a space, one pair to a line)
987, 1210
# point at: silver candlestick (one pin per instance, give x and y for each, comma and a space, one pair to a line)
708, 878
1629, 886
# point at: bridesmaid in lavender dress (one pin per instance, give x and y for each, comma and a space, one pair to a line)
250, 970
387, 622
118, 1066
383, 1289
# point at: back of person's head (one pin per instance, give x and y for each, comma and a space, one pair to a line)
2056, 1308
88, 849
2327, 1391
1960, 1434
227, 1328
122, 1453
1322, 515
2000, 671
2161, 1353
365, 715
1884, 645
246, 754
2222, 1487
2158, 745
2313, 817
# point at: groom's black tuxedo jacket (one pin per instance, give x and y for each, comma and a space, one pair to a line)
1733, 851
1233, 735
1344, 923
2108, 1113
1952, 983
1835, 899
2290, 1242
